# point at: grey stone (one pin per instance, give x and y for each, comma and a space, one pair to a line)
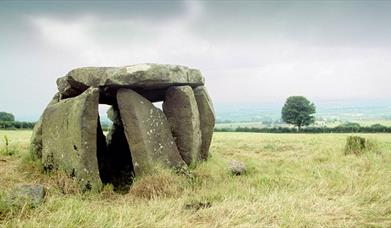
36, 137
237, 167
181, 109
69, 136
150, 80
113, 115
207, 119
147, 132
102, 154
119, 166
33, 195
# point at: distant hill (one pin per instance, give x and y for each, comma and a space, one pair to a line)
339, 110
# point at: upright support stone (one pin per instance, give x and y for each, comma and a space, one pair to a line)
119, 166
207, 119
69, 136
181, 109
102, 153
36, 137
148, 133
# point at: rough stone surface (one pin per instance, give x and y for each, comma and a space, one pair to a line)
113, 115
181, 109
102, 154
33, 195
207, 119
150, 80
237, 167
119, 166
69, 133
147, 132
36, 137
69, 137
36, 140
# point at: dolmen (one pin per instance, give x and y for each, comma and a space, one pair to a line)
68, 136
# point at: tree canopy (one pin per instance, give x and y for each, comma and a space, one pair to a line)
298, 111
5, 116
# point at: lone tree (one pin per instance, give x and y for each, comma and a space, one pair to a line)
298, 111
5, 116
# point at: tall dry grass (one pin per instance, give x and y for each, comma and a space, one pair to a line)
291, 180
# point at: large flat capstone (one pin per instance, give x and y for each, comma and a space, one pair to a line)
149, 80
148, 133
181, 109
69, 137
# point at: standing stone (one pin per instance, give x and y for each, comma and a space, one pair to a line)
102, 153
119, 166
180, 107
148, 133
207, 119
69, 136
36, 137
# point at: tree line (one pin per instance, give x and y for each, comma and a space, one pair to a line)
7, 121
345, 128
298, 111
16, 125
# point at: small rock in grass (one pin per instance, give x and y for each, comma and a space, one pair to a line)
197, 205
31, 194
237, 167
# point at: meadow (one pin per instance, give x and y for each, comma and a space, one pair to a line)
292, 180
334, 123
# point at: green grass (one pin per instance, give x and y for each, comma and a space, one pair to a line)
292, 180
363, 123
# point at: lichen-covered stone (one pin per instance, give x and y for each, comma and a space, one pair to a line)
25, 194
147, 132
36, 137
181, 109
69, 136
207, 119
150, 80
118, 162
237, 167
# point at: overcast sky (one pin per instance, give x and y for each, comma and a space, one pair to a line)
248, 51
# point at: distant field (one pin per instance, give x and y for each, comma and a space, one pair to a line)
259, 124
295, 180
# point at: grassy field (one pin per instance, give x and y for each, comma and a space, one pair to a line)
363, 123
293, 180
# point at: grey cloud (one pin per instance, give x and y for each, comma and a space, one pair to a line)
152, 9
249, 51
333, 23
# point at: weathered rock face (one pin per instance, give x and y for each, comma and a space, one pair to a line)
69, 136
142, 77
147, 131
31, 195
102, 154
36, 137
180, 107
119, 167
207, 119
237, 168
